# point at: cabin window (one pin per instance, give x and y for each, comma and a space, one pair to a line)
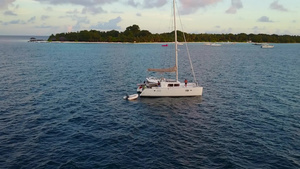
170, 85
176, 85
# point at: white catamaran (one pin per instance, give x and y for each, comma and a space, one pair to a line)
162, 87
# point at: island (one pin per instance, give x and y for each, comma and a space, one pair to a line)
133, 34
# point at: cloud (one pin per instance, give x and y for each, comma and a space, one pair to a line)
283, 32
219, 30
46, 27
44, 17
256, 29
186, 6
228, 30
192, 6
154, 3
278, 7
133, 3
264, 19
11, 13
79, 21
90, 6
93, 10
117, 12
235, 5
86, 3
31, 20
147, 3
5, 3
20, 22
75, 11
110, 25
14, 22
49, 9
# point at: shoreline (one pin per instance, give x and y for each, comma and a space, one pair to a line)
226, 43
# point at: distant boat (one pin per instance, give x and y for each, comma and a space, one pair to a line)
164, 45
179, 43
230, 43
267, 46
32, 39
215, 44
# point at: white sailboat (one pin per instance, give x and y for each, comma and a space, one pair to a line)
162, 87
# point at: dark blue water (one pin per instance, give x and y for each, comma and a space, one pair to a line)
61, 106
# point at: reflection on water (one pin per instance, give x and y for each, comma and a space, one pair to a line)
171, 103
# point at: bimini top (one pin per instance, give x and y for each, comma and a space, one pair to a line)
171, 69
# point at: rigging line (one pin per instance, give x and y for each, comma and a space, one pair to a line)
186, 45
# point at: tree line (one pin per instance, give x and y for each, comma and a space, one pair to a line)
133, 34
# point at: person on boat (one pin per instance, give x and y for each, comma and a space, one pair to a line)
185, 82
158, 84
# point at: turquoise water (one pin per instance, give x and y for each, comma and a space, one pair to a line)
61, 106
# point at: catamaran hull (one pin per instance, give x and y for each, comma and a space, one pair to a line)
172, 92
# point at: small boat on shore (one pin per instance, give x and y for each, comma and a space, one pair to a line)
215, 44
267, 46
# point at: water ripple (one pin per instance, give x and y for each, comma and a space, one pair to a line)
61, 107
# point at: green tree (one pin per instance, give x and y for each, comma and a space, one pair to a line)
134, 34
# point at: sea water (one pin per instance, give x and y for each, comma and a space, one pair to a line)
61, 106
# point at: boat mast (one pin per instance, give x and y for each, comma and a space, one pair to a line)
176, 45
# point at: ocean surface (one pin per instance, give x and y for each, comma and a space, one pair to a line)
61, 107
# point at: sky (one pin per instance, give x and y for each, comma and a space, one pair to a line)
46, 17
